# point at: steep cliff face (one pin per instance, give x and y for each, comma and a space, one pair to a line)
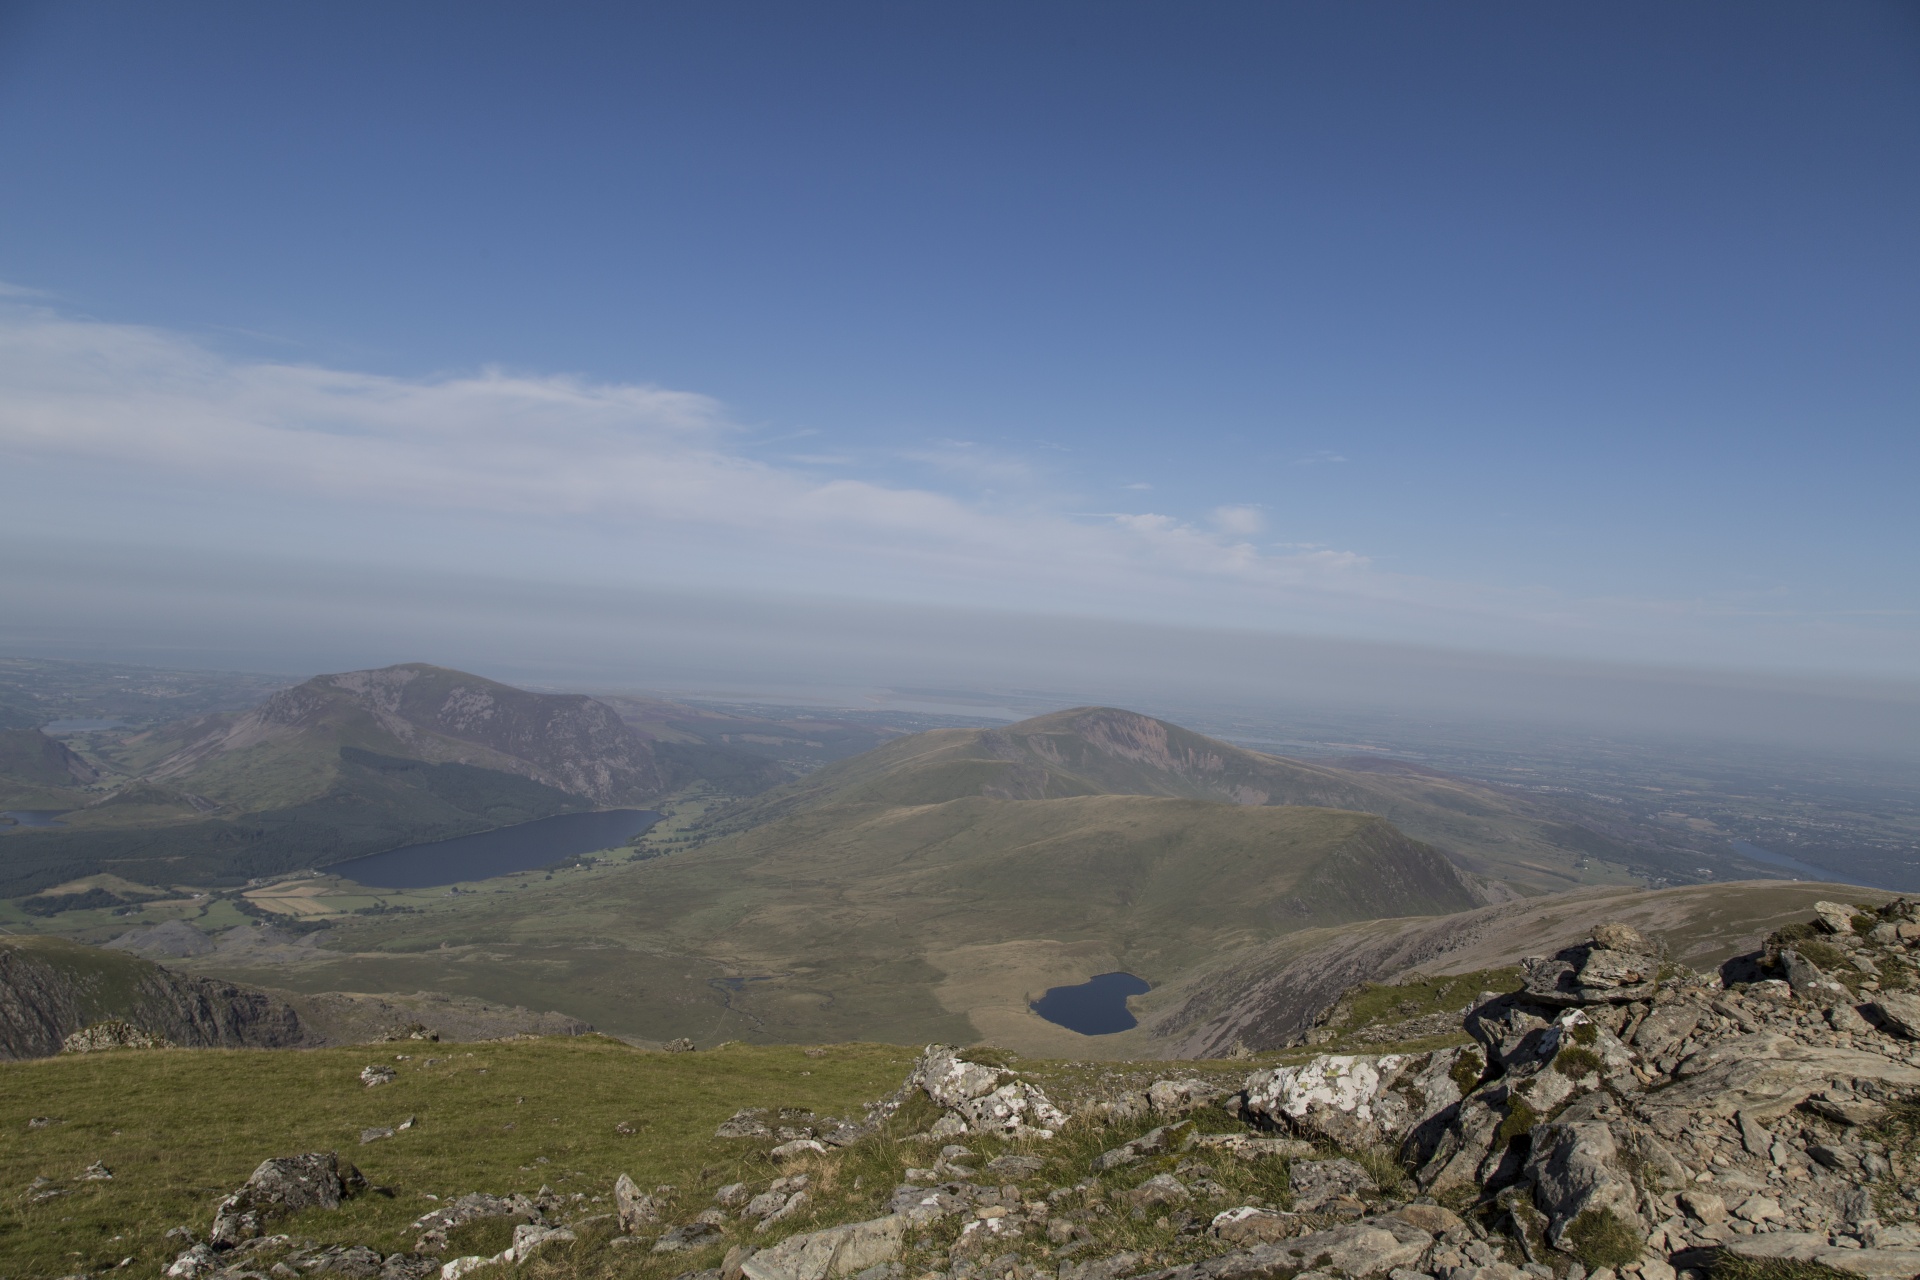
50, 988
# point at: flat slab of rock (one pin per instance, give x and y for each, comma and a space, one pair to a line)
1807, 1246
1243, 1146
1372, 1246
1765, 1075
830, 1254
1248, 1225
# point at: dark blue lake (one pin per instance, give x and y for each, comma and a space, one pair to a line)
1096, 1007
527, 847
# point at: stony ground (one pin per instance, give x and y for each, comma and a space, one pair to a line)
1609, 1115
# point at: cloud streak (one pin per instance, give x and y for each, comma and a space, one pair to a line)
116, 397
662, 479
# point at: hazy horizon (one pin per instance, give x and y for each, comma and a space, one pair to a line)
1377, 326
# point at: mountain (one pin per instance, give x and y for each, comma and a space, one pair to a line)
1108, 751
284, 750
40, 772
357, 763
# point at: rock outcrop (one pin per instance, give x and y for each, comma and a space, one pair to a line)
51, 988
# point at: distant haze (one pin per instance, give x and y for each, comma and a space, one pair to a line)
266, 617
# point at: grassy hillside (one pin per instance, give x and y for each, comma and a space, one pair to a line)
903, 924
1102, 750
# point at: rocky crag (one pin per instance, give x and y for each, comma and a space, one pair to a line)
51, 989
1615, 1116
58, 996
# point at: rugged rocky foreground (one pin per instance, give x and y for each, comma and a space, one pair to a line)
1616, 1116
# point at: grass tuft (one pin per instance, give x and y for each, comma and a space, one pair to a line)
1602, 1238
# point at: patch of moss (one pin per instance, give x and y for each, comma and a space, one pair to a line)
1521, 1117
1574, 1062
1862, 923
1826, 955
1602, 1238
1791, 935
1467, 1070
1585, 1033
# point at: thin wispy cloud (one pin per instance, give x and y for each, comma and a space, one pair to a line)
656, 480
121, 397
1319, 458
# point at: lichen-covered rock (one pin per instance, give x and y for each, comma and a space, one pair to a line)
1576, 1168
949, 1079
1249, 1225
281, 1186
1618, 965
1317, 1183
830, 1254
637, 1209
1355, 1099
1370, 1247
1175, 1097
1809, 981
1897, 1012
1018, 1109
1835, 917
114, 1033
745, 1124
978, 1102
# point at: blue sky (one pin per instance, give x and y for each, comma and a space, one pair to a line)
1581, 331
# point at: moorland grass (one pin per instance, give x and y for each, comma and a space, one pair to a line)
181, 1128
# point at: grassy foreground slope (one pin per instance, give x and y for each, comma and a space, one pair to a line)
904, 924
181, 1128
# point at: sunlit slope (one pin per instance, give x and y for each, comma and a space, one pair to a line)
1106, 751
287, 750
895, 922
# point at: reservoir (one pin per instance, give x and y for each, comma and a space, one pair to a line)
1096, 1007
1773, 859
526, 847
36, 817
